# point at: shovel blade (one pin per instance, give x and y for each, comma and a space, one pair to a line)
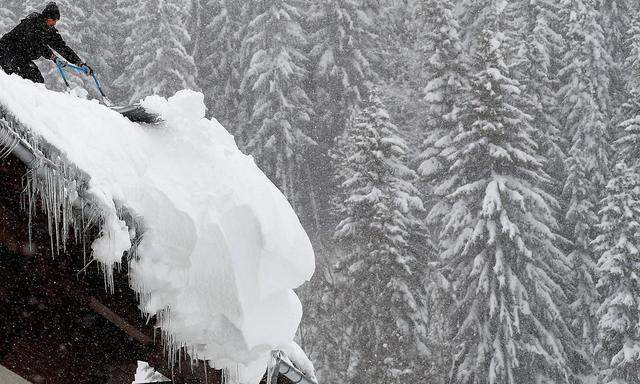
137, 114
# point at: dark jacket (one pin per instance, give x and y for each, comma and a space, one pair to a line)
32, 39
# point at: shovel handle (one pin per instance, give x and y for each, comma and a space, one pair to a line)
86, 71
98, 85
61, 70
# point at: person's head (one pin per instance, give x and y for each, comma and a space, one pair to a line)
51, 14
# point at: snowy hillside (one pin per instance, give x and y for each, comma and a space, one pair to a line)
218, 249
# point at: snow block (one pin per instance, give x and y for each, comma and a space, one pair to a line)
220, 250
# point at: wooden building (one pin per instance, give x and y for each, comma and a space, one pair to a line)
58, 323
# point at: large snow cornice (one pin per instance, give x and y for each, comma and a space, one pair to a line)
217, 249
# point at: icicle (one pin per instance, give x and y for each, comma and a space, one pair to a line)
30, 194
8, 139
271, 365
55, 186
109, 247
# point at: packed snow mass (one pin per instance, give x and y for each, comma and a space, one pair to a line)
222, 249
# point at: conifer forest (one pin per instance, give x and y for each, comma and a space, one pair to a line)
468, 170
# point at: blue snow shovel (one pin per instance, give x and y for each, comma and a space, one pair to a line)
136, 112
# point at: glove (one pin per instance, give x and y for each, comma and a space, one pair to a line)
59, 61
88, 68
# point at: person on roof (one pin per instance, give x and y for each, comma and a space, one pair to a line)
35, 37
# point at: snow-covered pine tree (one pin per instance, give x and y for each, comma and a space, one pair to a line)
322, 330
158, 60
278, 133
619, 282
584, 101
447, 89
342, 37
619, 320
616, 17
586, 64
398, 59
505, 266
127, 18
446, 66
476, 15
580, 218
535, 64
196, 20
401, 79
381, 286
220, 61
628, 144
631, 63
8, 17
99, 41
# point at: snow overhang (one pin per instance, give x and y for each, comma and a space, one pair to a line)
219, 269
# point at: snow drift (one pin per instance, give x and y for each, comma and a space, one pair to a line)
221, 249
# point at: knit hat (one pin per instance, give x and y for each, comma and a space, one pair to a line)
51, 11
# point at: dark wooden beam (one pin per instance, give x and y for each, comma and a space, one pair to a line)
119, 322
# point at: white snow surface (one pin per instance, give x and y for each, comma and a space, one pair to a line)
146, 374
222, 249
300, 359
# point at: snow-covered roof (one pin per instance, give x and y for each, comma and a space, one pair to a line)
215, 249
